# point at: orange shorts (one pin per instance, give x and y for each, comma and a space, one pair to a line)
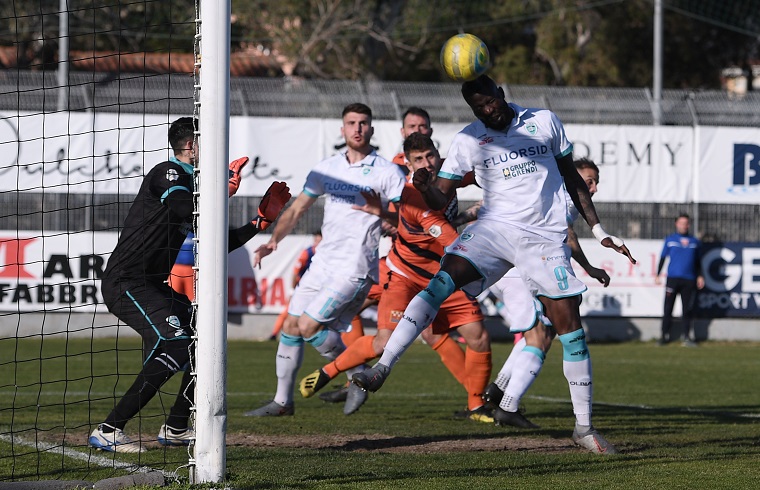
182, 280
377, 290
456, 311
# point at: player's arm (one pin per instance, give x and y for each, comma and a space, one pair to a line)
438, 195
285, 225
579, 193
270, 207
466, 216
580, 257
374, 205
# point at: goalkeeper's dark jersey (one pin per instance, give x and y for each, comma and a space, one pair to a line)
157, 223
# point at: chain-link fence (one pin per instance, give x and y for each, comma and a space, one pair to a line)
283, 97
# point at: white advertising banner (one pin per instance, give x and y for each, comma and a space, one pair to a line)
729, 165
632, 291
109, 153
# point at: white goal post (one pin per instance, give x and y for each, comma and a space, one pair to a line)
213, 71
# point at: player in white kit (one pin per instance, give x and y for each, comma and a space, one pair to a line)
523, 313
523, 162
345, 264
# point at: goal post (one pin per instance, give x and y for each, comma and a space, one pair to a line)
213, 73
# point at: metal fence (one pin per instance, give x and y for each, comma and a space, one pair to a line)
284, 97
153, 93
106, 212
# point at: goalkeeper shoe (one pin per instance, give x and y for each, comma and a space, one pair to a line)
313, 383
492, 396
515, 419
271, 409
335, 396
593, 441
116, 441
169, 436
355, 398
371, 379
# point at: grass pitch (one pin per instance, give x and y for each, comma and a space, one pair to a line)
681, 417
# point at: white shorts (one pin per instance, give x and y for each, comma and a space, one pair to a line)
520, 308
494, 248
333, 301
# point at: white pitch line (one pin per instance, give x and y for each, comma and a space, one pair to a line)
74, 454
701, 411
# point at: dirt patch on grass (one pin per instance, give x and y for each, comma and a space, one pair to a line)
391, 444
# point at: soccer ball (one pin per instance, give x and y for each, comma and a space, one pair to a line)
465, 57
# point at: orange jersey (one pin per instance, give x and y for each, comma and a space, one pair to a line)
400, 160
422, 235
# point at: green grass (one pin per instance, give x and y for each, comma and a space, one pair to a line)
682, 418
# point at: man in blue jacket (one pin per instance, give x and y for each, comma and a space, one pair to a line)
684, 277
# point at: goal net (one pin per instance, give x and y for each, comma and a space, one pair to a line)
87, 95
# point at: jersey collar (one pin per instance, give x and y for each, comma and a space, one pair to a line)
519, 113
186, 166
368, 161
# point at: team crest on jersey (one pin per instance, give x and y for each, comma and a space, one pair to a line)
485, 140
174, 322
172, 175
531, 128
435, 231
366, 170
465, 237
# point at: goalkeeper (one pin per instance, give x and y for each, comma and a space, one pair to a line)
135, 289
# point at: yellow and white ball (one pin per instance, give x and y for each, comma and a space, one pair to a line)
465, 57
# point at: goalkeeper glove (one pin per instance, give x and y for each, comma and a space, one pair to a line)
235, 168
275, 198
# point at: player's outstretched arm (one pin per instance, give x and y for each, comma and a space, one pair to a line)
579, 193
285, 225
271, 205
374, 205
580, 257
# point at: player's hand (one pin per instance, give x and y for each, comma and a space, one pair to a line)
372, 205
600, 275
271, 205
235, 168
657, 280
421, 179
618, 246
262, 252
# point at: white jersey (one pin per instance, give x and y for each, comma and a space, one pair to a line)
350, 237
517, 170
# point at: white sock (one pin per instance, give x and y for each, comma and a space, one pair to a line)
578, 376
289, 358
330, 344
527, 365
502, 379
422, 314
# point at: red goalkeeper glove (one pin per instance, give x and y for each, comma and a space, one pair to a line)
270, 207
235, 168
